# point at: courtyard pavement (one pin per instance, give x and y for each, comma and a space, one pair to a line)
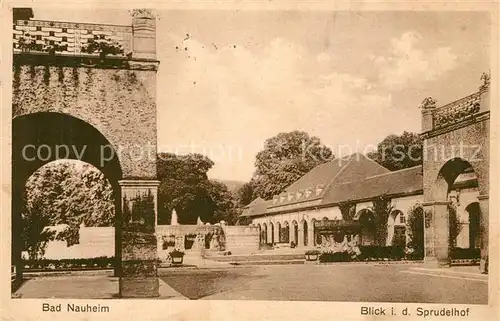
292, 282
333, 282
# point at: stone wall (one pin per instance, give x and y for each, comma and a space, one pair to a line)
94, 242
113, 101
241, 239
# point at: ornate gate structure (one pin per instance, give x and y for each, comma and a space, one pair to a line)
456, 141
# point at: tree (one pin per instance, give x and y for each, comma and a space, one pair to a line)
58, 198
382, 208
245, 194
347, 210
399, 152
415, 226
224, 204
184, 186
285, 158
455, 225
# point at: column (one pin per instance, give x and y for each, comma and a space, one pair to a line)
311, 240
291, 233
437, 230
139, 278
277, 232
484, 232
300, 241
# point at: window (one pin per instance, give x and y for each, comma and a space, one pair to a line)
38, 28
65, 39
39, 37
64, 29
51, 33
402, 218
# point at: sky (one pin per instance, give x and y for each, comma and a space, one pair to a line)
229, 80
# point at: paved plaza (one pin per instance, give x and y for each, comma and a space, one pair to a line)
373, 282
333, 282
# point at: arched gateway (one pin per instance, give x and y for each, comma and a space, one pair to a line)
71, 102
456, 141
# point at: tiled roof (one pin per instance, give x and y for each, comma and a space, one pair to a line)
255, 208
405, 181
352, 168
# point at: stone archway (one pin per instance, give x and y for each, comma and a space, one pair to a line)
105, 96
286, 233
455, 139
439, 239
264, 233
396, 229
41, 138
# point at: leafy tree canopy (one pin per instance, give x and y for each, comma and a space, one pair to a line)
398, 152
285, 158
64, 194
185, 187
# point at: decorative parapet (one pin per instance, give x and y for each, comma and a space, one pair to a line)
72, 39
457, 111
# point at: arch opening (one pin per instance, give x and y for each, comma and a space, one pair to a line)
41, 138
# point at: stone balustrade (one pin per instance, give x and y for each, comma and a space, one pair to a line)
457, 111
72, 39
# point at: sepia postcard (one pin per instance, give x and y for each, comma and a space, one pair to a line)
250, 160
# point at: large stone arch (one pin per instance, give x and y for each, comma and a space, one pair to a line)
41, 138
455, 139
105, 98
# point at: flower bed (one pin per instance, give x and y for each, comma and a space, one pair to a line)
367, 253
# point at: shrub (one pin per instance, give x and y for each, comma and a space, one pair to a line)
459, 253
415, 226
334, 257
176, 253
375, 253
46, 264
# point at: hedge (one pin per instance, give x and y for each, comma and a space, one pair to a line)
50, 264
459, 253
374, 253
335, 257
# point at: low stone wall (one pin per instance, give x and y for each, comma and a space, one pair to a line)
94, 242
100, 241
241, 239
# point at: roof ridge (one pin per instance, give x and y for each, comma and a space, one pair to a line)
330, 184
393, 172
380, 175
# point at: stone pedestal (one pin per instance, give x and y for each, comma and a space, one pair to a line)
484, 232
139, 278
437, 230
